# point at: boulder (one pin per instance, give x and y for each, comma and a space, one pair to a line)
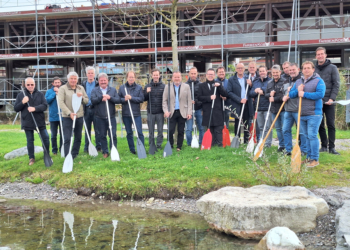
22, 151
250, 213
280, 238
342, 225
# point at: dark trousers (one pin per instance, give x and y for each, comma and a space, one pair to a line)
245, 123
216, 132
129, 132
30, 141
54, 126
89, 117
329, 112
67, 123
180, 121
103, 126
152, 119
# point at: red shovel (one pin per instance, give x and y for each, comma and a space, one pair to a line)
207, 137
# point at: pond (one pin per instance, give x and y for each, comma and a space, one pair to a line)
28, 224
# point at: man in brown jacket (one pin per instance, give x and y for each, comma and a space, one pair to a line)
180, 108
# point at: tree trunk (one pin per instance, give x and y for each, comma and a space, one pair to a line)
174, 29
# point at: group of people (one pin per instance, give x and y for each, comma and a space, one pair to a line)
187, 102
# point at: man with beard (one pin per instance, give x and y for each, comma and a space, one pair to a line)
206, 96
291, 111
193, 78
285, 67
154, 91
330, 75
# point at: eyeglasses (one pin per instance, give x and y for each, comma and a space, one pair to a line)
30, 85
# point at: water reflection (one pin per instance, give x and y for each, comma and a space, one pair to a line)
38, 225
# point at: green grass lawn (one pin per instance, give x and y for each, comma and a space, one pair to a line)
189, 173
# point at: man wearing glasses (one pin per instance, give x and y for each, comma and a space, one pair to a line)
37, 106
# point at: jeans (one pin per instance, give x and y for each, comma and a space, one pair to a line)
309, 126
289, 119
153, 119
103, 126
67, 123
89, 117
127, 120
262, 116
278, 126
54, 127
189, 126
30, 141
180, 121
329, 112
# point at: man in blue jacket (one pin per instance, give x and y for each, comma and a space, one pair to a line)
312, 89
260, 87
51, 98
136, 97
99, 96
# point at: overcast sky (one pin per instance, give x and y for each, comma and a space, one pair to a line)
20, 5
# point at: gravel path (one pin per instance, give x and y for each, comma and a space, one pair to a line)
321, 238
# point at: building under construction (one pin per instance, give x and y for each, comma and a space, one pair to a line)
45, 42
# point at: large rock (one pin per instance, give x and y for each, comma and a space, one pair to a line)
280, 238
250, 213
342, 225
22, 151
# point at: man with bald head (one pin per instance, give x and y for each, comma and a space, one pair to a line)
236, 89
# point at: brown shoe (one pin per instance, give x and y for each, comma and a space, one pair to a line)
105, 155
313, 164
31, 161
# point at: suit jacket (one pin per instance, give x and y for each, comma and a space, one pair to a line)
204, 94
185, 100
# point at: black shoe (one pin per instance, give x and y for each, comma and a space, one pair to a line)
133, 152
281, 149
303, 154
99, 149
333, 151
287, 153
323, 149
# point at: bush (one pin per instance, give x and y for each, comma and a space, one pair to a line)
340, 110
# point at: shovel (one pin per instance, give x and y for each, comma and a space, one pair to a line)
92, 149
152, 146
167, 149
59, 115
251, 143
296, 153
47, 159
114, 151
208, 138
68, 162
235, 141
141, 151
69, 219
194, 142
342, 102
225, 133
257, 152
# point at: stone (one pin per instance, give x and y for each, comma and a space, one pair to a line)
280, 238
150, 200
333, 201
250, 213
2, 200
342, 225
22, 151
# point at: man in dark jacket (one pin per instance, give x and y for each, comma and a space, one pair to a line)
99, 96
206, 96
259, 87
237, 93
193, 78
275, 94
89, 111
37, 106
154, 91
54, 119
136, 97
253, 74
221, 78
330, 75
291, 111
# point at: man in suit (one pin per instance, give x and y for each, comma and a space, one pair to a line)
180, 108
206, 96
237, 86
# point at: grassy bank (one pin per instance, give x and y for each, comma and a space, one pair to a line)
189, 173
